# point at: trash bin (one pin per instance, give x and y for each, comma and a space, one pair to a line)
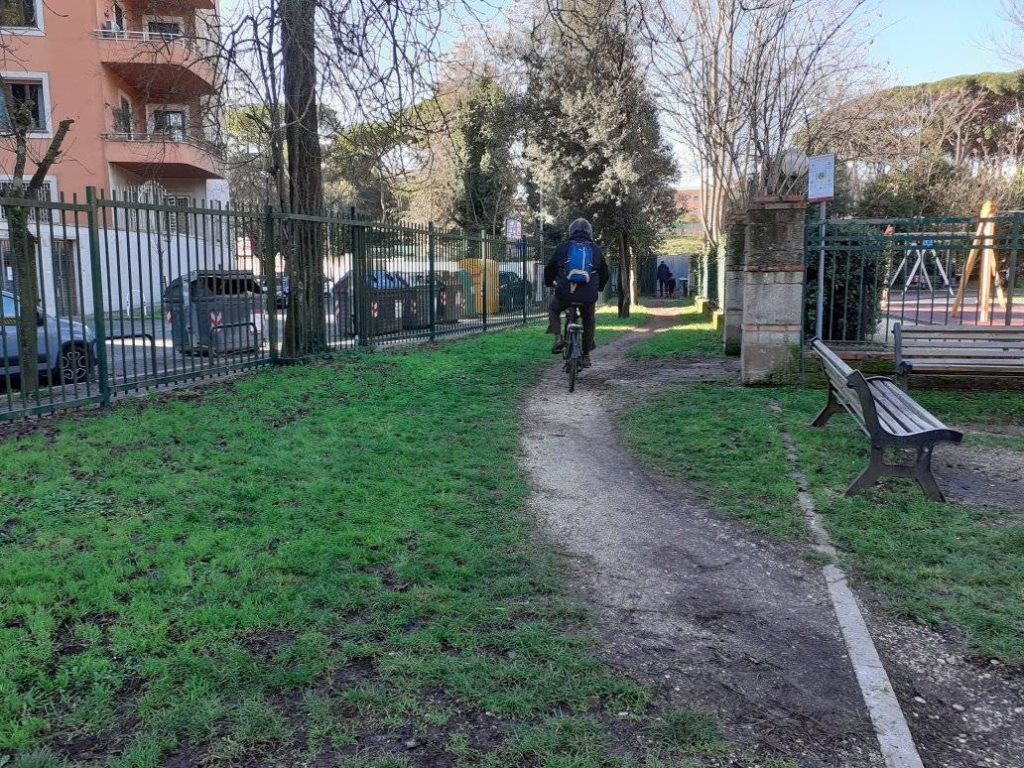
416, 312
474, 268
469, 292
385, 296
214, 311
343, 308
451, 298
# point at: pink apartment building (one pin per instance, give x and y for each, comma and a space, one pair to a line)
136, 77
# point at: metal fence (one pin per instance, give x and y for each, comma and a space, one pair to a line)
866, 275
136, 296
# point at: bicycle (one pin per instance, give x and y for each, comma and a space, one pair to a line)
572, 353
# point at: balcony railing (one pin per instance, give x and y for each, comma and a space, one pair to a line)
199, 47
169, 137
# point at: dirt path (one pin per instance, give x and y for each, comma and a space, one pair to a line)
694, 605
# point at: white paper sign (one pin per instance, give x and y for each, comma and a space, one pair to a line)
821, 178
513, 228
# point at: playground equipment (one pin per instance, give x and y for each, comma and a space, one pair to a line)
988, 275
920, 251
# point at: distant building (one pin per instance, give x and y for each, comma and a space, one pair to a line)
136, 77
688, 201
139, 80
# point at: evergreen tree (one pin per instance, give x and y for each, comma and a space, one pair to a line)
485, 176
594, 141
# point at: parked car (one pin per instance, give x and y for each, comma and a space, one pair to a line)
283, 291
511, 291
67, 350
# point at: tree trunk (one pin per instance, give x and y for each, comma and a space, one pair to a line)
305, 328
625, 287
26, 280
23, 242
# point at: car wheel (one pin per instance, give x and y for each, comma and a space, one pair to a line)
75, 363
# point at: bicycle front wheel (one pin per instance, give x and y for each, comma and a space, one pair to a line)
572, 367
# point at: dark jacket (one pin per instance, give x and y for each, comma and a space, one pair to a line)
664, 273
585, 293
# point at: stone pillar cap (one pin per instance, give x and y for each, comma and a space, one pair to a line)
775, 202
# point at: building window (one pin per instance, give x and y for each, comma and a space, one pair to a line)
28, 95
123, 122
163, 30
120, 24
177, 223
19, 13
44, 193
65, 283
170, 122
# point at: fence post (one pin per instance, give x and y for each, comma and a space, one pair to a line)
360, 286
270, 258
526, 285
98, 309
483, 277
432, 281
1011, 274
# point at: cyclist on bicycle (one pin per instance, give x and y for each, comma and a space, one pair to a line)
574, 288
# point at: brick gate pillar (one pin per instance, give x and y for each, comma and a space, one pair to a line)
773, 290
736, 236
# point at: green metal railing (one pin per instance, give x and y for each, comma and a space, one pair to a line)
874, 273
158, 294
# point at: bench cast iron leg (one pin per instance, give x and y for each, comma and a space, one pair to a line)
832, 406
921, 472
874, 470
923, 475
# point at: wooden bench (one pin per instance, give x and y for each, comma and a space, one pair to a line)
888, 416
942, 350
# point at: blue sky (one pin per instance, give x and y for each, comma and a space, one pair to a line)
924, 40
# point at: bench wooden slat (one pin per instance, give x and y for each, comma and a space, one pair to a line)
965, 330
956, 350
903, 408
952, 364
983, 354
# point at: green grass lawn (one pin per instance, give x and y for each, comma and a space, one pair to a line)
943, 564
326, 563
693, 336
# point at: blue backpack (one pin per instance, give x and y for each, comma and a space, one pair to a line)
580, 262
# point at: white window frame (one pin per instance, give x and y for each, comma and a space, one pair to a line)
37, 31
17, 76
180, 20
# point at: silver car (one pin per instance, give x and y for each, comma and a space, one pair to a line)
67, 350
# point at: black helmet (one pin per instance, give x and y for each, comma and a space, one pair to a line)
581, 228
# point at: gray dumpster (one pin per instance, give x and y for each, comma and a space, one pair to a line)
214, 311
386, 304
417, 307
343, 308
451, 297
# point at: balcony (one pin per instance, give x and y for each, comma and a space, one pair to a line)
163, 155
160, 65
